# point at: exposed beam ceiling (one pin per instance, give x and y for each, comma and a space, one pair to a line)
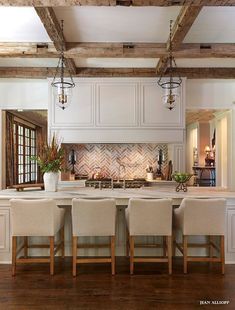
46, 3
191, 73
117, 50
183, 23
54, 31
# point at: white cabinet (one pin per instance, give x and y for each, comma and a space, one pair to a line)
230, 233
4, 234
122, 110
153, 113
81, 111
231, 230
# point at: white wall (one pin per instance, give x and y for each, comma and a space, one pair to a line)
191, 143
23, 94
210, 94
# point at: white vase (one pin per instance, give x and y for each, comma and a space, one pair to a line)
149, 176
51, 181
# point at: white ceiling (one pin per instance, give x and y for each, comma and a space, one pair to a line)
116, 24
28, 62
213, 25
117, 62
206, 62
21, 24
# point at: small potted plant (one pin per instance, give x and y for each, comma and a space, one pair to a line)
50, 159
149, 171
181, 178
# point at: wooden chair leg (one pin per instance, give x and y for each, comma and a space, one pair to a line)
14, 248
164, 245
132, 245
62, 241
185, 248
127, 243
210, 239
222, 254
173, 244
169, 251
52, 258
113, 254
75, 241
25, 247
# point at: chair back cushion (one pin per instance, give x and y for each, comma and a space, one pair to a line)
203, 216
150, 217
39, 217
93, 217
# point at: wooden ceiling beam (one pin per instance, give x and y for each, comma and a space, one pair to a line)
206, 73
55, 3
191, 73
52, 26
183, 23
117, 50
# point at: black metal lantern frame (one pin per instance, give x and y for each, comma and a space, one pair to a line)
170, 83
62, 86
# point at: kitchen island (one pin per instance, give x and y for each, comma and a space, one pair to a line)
64, 198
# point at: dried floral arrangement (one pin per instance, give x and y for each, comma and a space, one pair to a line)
50, 156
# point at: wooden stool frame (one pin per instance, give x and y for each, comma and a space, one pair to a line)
183, 248
166, 245
110, 259
54, 248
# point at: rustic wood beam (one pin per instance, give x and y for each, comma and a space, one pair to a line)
117, 50
206, 73
52, 26
54, 3
30, 50
183, 23
191, 73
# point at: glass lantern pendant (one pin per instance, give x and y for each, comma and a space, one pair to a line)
170, 98
62, 85
170, 84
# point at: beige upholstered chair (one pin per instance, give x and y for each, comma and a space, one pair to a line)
31, 218
201, 217
93, 218
149, 217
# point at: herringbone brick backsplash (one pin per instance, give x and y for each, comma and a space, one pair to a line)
135, 157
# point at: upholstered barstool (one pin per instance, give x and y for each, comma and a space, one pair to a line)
93, 218
201, 217
149, 217
36, 218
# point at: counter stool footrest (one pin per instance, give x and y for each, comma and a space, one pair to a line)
93, 260
150, 260
203, 259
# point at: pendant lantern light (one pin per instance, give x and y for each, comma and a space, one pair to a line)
62, 85
171, 83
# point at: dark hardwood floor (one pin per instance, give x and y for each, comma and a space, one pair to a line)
94, 288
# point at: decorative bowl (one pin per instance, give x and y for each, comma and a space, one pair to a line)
181, 179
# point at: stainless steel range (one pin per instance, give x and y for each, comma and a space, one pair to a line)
109, 183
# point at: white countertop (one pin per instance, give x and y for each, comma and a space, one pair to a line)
151, 192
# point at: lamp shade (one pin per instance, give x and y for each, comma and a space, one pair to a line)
62, 93
207, 149
170, 98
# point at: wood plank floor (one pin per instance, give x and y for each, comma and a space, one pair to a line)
94, 288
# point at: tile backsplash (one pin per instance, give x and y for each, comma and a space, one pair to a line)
135, 158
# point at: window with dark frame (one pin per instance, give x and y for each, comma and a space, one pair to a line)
25, 147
